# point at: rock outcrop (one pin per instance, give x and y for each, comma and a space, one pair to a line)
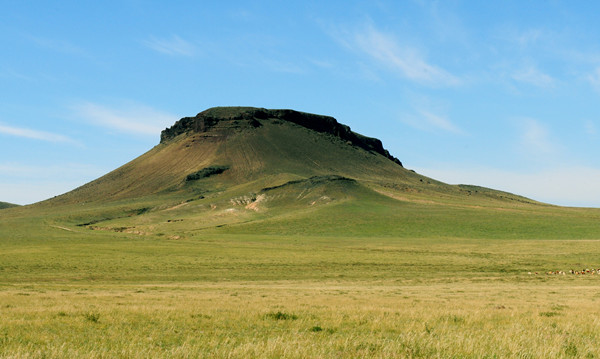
250, 117
206, 172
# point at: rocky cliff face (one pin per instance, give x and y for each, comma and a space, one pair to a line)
250, 117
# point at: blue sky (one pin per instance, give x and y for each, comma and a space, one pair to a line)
498, 94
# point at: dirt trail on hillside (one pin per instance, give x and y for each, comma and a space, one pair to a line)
63, 228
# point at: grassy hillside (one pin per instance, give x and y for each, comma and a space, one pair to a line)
270, 151
266, 155
280, 177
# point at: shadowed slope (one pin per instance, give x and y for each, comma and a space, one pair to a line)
159, 169
4, 205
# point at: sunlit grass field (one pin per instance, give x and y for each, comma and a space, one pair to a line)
298, 319
68, 291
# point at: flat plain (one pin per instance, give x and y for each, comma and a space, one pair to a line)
70, 291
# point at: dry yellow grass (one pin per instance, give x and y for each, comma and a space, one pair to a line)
301, 319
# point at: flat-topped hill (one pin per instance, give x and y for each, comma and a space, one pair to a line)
230, 118
283, 171
254, 148
239, 145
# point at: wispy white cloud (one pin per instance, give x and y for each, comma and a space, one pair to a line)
447, 24
528, 37
283, 66
10, 73
174, 45
522, 38
58, 45
533, 76
535, 137
594, 79
568, 186
590, 128
428, 121
324, 64
440, 122
403, 60
132, 118
34, 134
65, 171
242, 15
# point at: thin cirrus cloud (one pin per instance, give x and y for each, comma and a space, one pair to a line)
58, 45
34, 134
590, 128
533, 76
12, 74
65, 171
535, 137
522, 38
133, 118
528, 37
428, 121
405, 61
594, 79
285, 67
174, 46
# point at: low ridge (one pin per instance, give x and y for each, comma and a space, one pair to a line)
4, 205
248, 117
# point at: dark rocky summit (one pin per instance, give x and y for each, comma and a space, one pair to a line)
251, 117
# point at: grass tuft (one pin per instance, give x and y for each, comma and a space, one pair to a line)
281, 316
92, 317
570, 349
549, 314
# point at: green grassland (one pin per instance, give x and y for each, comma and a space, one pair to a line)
298, 246
368, 276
